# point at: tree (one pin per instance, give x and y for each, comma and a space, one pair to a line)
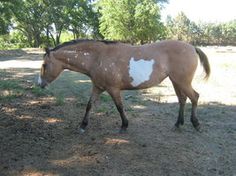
196, 34
148, 26
76, 16
28, 17
229, 33
182, 28
5, 18
130, 20
83, 19
179, 27
36, 19
56, 18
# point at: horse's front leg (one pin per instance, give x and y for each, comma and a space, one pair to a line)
115, 94
94, 96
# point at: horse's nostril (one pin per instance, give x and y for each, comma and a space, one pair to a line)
42, 86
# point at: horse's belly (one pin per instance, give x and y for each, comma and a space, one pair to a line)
144, 81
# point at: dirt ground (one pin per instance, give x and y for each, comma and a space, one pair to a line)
38, 131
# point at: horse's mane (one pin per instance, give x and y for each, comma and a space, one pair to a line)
77, 41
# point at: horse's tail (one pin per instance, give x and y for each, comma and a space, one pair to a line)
204, 61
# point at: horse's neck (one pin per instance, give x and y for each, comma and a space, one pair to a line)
79, 61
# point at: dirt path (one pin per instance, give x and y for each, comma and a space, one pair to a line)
38, 132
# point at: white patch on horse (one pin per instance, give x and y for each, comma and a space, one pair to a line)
86, 54
140, 70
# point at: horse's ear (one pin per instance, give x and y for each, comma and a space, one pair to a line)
47, 50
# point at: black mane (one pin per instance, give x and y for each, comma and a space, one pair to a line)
73, 42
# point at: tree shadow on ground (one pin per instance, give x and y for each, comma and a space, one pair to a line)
39, 137
19, 55
14, 52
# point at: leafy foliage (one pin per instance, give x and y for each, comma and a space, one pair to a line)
37, 23
130, 20
36, 19
181, 28
5, 18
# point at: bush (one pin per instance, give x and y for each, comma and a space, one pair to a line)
13, 40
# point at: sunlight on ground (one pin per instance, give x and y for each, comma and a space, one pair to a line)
75, 160
223, 74
20, 64
112, 141
44, 101
9, 110
6, 93
34, 50
91, 157
32, 172
25, 117
139, 107
52, 120
83, 81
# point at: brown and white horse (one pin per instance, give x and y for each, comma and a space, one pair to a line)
115, 66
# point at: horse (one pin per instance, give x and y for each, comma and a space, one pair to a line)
115, 66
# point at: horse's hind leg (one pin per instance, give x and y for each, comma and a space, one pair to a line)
95, 94
182, 101
194, 119
193, 96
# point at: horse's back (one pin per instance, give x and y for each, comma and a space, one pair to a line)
134, 67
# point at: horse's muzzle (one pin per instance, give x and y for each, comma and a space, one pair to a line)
41, 82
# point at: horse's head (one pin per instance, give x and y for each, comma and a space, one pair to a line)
50, 69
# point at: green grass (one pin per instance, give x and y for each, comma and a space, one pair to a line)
105, 98
101, 109
10, 89
60, 100
37, 91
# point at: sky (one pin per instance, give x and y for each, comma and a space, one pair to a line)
202, 10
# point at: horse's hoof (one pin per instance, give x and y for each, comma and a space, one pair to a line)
198, 128
176, 128
81, 131
177, 125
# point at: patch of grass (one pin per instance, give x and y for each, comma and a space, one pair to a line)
10, 85
102, 109
129, 109
105, 98
10, 89
60, 100
39, 92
